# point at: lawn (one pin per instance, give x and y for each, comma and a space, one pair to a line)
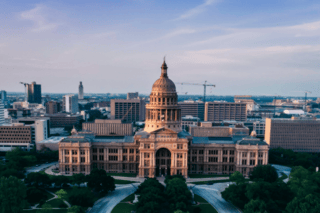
49, 196
205, 176
210, 182
130, 198
123, 208
56, 203
49, 211
123, 174
205, 208
123, 182
199, 199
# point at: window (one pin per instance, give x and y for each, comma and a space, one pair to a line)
224, 159
113, 158
113, 150
200, 152
101, 157
231, 159
147, 163
231, 152
225, 152
201, 159
131, 158
74, 160
194, 152
94, 150
252, 162
260, 154
74, 168
74, 152
194, 159
244, 154
179, 163
213, 159
244, 162
252, 154
137, 151
260, 162
66, 152
82, 159
125, 158
66, 160
94, 157
82, 168
137, 158
146, 155
82, 152
101, 150
131, 151
125, 151
147, 146
180, 146
179, 155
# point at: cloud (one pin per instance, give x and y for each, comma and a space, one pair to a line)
39, 17
195, 11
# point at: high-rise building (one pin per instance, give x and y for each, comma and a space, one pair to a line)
53, 107
3, 95
128, 110
70, 104
1, 113
132, 95
300, 135
193, 108
220, 111
102, 127
34, 93
80, 95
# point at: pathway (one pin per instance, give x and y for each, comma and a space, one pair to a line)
39, 167
212, 193
106, 204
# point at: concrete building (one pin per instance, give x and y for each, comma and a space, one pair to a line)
102, 127
219, 111
51, 143
163, 148
132, 95
1, 114
207, 130
300, 135
3, 95
80, 95
63, 120
70, 104
188, 121
193, 108
34, 93
128, 110
53, 107
259, 128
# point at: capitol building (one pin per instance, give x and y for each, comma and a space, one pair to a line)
163, 147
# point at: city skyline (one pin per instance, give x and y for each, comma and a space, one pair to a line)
115, 47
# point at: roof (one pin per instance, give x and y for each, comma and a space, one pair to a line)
52, 140
212, 140
251, 141
114, 139
294, 112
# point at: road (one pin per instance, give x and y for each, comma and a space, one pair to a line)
106, 204
39, 168
212, 193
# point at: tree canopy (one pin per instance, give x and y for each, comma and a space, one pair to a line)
264, 172
100, 181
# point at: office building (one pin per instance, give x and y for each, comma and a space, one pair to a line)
1, 114
103, 127
219, 111
51, 143
163, 148
128, 110
259, 128
132, 95
193, 108
70, 104
53, 107
3, 95
297, 134
34, 93
63, 120
188, 121
80, 95
41, 126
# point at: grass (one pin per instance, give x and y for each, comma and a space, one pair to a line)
123, 182
130, 198
205, 176
49, 196
123, 174
123, 208
199, 199
205, 208
68, 190
210, 182
56, 203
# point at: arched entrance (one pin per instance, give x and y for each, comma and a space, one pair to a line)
163, 162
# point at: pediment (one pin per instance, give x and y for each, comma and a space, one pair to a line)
164, 130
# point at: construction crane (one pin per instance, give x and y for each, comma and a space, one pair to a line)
205, 85
126, 113
25, 90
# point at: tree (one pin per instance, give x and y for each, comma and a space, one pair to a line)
78, 178
255, 206
37, 179
100, 181
35, 195
12, 195
46, 208
81, 197
307, 204
94, 114
236, 195
170, 177
76, 209
264, 172
59, 180
61, 194
178, 194
197, 210
237, 177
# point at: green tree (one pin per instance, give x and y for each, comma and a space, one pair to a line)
35, 195
178, 194
264, 172
46, 208
236, 194
100, 181
76, 209
81, 197
255, 206
78, 178
37, 179
12, 195
60, 180
62, 194
237, 177
307, 204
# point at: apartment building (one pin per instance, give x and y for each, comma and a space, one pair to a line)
128, 111
219, 111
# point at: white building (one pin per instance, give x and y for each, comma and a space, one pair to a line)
259, 127
70, 103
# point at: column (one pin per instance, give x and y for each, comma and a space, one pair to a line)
256, 163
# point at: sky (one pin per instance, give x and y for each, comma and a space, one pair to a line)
248, 47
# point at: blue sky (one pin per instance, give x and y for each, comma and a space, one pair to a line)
244, 47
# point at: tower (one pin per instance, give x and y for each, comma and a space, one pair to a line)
163, 109
80, 91
34, 93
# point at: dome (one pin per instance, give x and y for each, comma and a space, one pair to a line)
164, 84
